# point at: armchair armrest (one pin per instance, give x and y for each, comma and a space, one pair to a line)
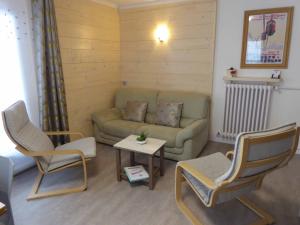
57, 133
197, 174
60, 152
106, 115
230, 154
52, 152
190, 131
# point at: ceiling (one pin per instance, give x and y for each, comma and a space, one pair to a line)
134, 3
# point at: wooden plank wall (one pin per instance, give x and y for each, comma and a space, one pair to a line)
185, 62
89, 35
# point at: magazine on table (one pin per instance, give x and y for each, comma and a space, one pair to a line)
136, 173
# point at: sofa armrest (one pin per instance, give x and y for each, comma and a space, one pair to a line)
191, 131
106, 115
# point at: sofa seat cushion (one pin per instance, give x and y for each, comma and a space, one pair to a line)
121, 128
168, 134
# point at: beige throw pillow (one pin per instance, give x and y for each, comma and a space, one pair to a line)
135, 111
168, 113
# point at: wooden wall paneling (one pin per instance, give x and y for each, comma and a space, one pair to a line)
89, 35
102, 46
185, 62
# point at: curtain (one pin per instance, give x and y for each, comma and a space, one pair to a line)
51, 90
17, 71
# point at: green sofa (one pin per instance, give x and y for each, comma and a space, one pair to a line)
183, 143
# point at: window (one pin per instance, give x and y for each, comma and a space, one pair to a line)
11, 87
17, 70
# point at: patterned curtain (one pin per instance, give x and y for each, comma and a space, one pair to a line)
52, 98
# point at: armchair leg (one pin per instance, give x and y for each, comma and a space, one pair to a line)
35, 195
179, 201
266, 218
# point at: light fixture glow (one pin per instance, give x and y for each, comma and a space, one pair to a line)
162, 33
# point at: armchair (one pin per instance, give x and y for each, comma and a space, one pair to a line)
216, 179
33, 142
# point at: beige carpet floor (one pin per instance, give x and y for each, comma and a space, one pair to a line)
108, 202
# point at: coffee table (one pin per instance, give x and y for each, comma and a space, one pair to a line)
149, 149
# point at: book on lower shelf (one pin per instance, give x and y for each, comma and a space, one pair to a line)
136, 173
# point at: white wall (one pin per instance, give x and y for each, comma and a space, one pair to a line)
230, 14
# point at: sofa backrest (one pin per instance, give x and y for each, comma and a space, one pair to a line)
136, 94
195, 105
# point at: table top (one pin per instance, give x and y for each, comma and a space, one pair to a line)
130, 144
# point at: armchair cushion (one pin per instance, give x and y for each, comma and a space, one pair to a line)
86, 145
258, 151
24, 133
211, 166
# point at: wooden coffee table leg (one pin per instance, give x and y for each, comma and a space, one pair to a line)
162, 163
151, 175
132, 159
118, 164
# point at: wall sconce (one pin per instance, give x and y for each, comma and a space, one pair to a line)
162, 33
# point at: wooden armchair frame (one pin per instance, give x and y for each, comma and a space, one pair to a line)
265, 218
15, 118
35, 154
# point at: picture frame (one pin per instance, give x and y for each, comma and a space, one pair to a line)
266, 38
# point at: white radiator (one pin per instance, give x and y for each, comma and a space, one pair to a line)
246, 109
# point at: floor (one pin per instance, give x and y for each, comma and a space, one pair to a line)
108, 202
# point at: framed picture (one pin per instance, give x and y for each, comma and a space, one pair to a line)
266, 38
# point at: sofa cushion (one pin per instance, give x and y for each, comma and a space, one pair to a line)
184, 122
168, 113
135, 111
195, 105
150, 118
123, 95
121, 128
161, 132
